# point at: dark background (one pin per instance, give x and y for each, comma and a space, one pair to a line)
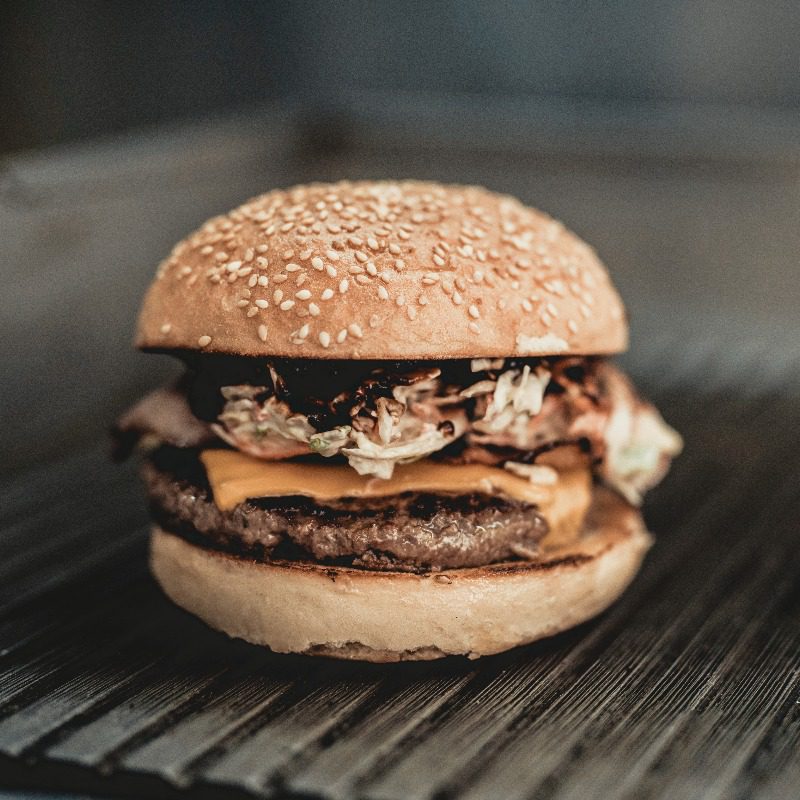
74, 70
667, 134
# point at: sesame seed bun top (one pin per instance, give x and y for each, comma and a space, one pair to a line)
383, 270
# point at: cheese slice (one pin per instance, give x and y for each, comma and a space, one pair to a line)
235, 477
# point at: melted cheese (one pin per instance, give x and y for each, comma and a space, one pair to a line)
236, 477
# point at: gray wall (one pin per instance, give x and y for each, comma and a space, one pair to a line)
78, 68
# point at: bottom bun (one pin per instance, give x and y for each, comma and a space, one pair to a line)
301, 607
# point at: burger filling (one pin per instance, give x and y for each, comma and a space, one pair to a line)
416, 531
517, 428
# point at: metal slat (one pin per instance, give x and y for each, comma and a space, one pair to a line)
336, 770
157, 700
255, 763
170, 753
69, 651
117, 556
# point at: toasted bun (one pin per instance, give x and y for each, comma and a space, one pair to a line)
383, 270
395, 616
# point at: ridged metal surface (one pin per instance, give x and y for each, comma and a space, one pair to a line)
689, 687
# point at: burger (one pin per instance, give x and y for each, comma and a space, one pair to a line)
398, 434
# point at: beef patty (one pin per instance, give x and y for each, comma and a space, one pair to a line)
411, 531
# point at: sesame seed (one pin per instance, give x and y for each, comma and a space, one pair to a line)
355, 330
207, 250
331, 270
166, 327
362, 279
382, 293
394, 249
253, 281
332, 255
399, 264
277, 295
372, 243
313, 309
572, 325
457, 298
324, 338
262, 304
374, 321
249, 254
221, 256
362, 257
423, 300
286, 305
342, 335
262, 333
292, 267
280, 278
355, 241
527, 305
326, 294
372, 269
252, 311
243, 303
401, 300
411, 311
304, 331
204, 341
262, 262
233, 266
305, 255
552, 310
473, 312
344, 285
473, 326
438, 260
263, 280
303, 294
317, 263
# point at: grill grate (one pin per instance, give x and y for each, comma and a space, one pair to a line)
688, 687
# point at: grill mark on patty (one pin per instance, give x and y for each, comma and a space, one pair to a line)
412, 531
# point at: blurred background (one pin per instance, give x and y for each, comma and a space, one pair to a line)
666, 134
